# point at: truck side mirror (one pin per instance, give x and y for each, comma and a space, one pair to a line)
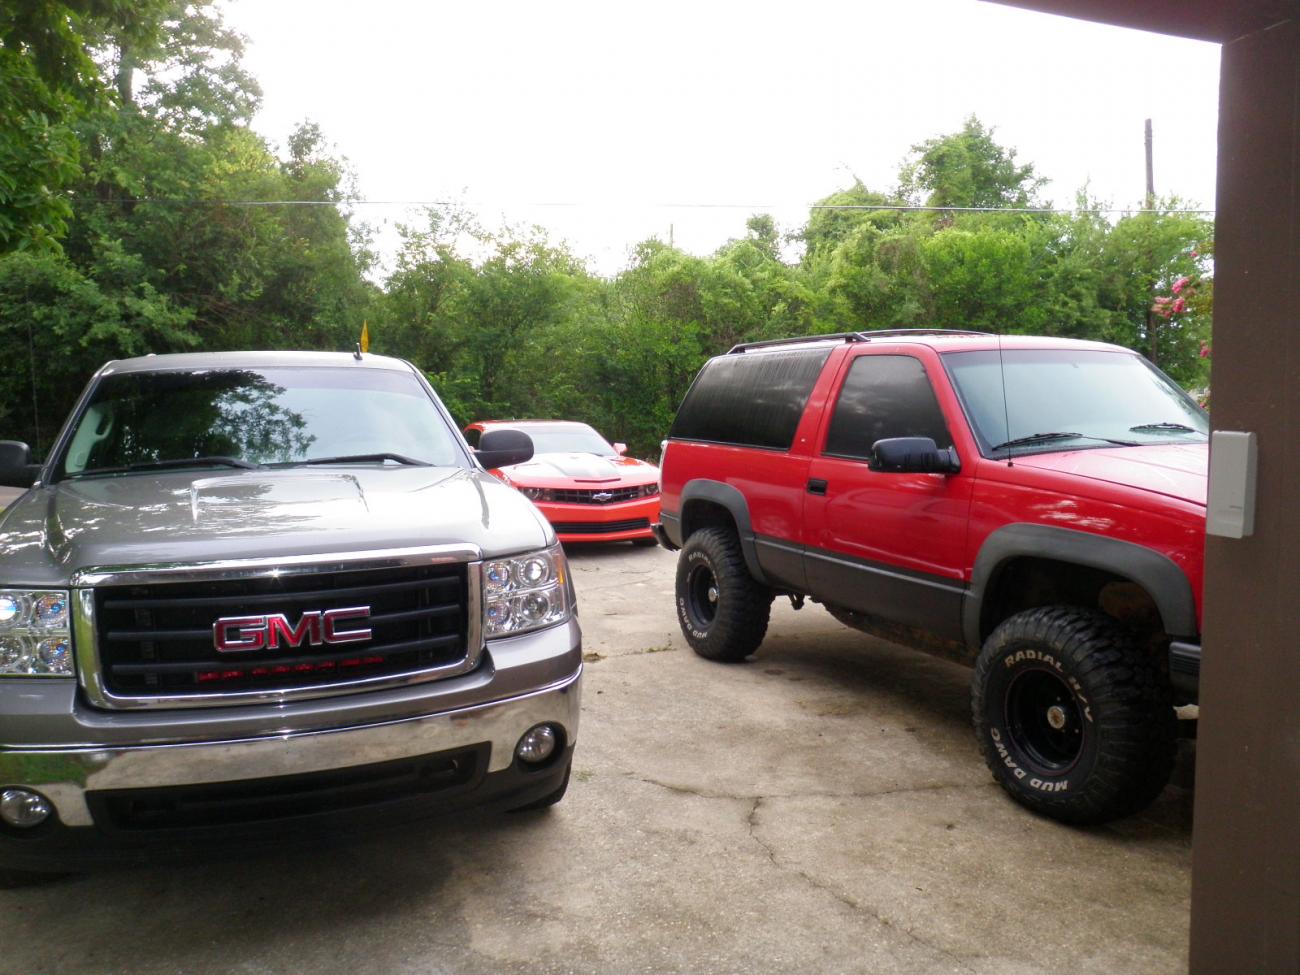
913, 455
620, 449
501, 448
16, 467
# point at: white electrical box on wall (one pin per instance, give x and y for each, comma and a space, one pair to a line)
1231, 510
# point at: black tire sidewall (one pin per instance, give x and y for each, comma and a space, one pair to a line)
740, 614
693, 559
1015, 766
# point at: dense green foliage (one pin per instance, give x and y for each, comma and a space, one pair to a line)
129, 179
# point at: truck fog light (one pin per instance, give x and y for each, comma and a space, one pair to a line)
537, 744
23, 808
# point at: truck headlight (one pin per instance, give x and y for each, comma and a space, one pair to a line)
525, 592
35, 637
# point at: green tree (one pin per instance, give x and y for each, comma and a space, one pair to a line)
49, 84
60, 324
968, 168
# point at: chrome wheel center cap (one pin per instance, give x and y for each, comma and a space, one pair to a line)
713, 594
1056, 717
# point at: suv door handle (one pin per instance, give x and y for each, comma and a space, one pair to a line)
817, 486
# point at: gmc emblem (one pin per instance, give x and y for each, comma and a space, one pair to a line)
239, 633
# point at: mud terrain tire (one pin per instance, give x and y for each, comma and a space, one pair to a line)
1072, 717
723, 612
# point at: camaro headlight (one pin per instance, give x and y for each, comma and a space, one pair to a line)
538, 494
525, 592
35, 633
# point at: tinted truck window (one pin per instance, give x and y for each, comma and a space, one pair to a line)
884, 396
754, 400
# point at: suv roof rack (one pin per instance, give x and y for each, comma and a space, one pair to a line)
852, 337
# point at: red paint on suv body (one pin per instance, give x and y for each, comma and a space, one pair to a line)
1151, 495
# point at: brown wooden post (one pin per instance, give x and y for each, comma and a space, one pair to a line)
1246, 840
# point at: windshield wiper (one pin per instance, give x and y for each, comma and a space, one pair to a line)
1037, 438
158, 465
1164, 425
367, 459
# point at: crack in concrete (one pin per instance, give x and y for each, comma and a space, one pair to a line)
735, 797
826, 888
596, 656
751, 820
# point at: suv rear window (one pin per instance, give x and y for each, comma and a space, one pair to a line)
750, 399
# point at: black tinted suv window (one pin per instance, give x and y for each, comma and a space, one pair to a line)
884, 396
751, 399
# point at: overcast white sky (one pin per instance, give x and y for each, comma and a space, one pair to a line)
609, 122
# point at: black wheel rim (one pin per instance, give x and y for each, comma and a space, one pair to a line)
1045, 721
702, 595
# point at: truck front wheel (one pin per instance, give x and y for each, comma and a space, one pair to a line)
1074, 719
723, 612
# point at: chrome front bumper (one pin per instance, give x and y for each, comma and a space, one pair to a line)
66, 775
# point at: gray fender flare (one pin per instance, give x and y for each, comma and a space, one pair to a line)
734, 502
1155, 573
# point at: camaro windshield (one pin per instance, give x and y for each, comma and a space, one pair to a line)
256, 417
1059, 399
568, 440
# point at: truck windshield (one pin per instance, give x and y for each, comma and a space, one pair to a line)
1070, 399
256, 417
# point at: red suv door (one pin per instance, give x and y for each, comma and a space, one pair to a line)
888, 544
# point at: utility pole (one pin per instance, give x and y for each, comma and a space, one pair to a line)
1151, 179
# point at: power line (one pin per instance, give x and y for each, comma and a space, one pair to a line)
887, 207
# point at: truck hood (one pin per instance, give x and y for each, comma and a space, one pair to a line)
1176, 470
140, 519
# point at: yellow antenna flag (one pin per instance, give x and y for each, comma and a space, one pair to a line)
365, 336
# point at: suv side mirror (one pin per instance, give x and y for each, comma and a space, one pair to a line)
16, 467
501, 448
913, 455
620, 449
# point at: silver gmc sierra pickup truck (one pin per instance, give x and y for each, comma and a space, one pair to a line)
251, 594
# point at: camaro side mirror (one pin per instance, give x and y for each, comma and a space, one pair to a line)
16, 467
913, 455
620, 449
501, 448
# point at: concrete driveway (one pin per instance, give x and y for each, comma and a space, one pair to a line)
819, 808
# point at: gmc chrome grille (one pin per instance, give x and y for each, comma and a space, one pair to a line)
154, 642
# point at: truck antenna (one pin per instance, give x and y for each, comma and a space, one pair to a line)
356, 354
1006, 410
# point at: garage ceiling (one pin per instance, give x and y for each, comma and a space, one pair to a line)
1206, 20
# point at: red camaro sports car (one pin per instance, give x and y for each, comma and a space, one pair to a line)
584, 485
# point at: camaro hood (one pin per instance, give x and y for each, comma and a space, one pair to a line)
1176, 470
558, 470
150, 518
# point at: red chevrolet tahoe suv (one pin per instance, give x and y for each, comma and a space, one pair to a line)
1032, 506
